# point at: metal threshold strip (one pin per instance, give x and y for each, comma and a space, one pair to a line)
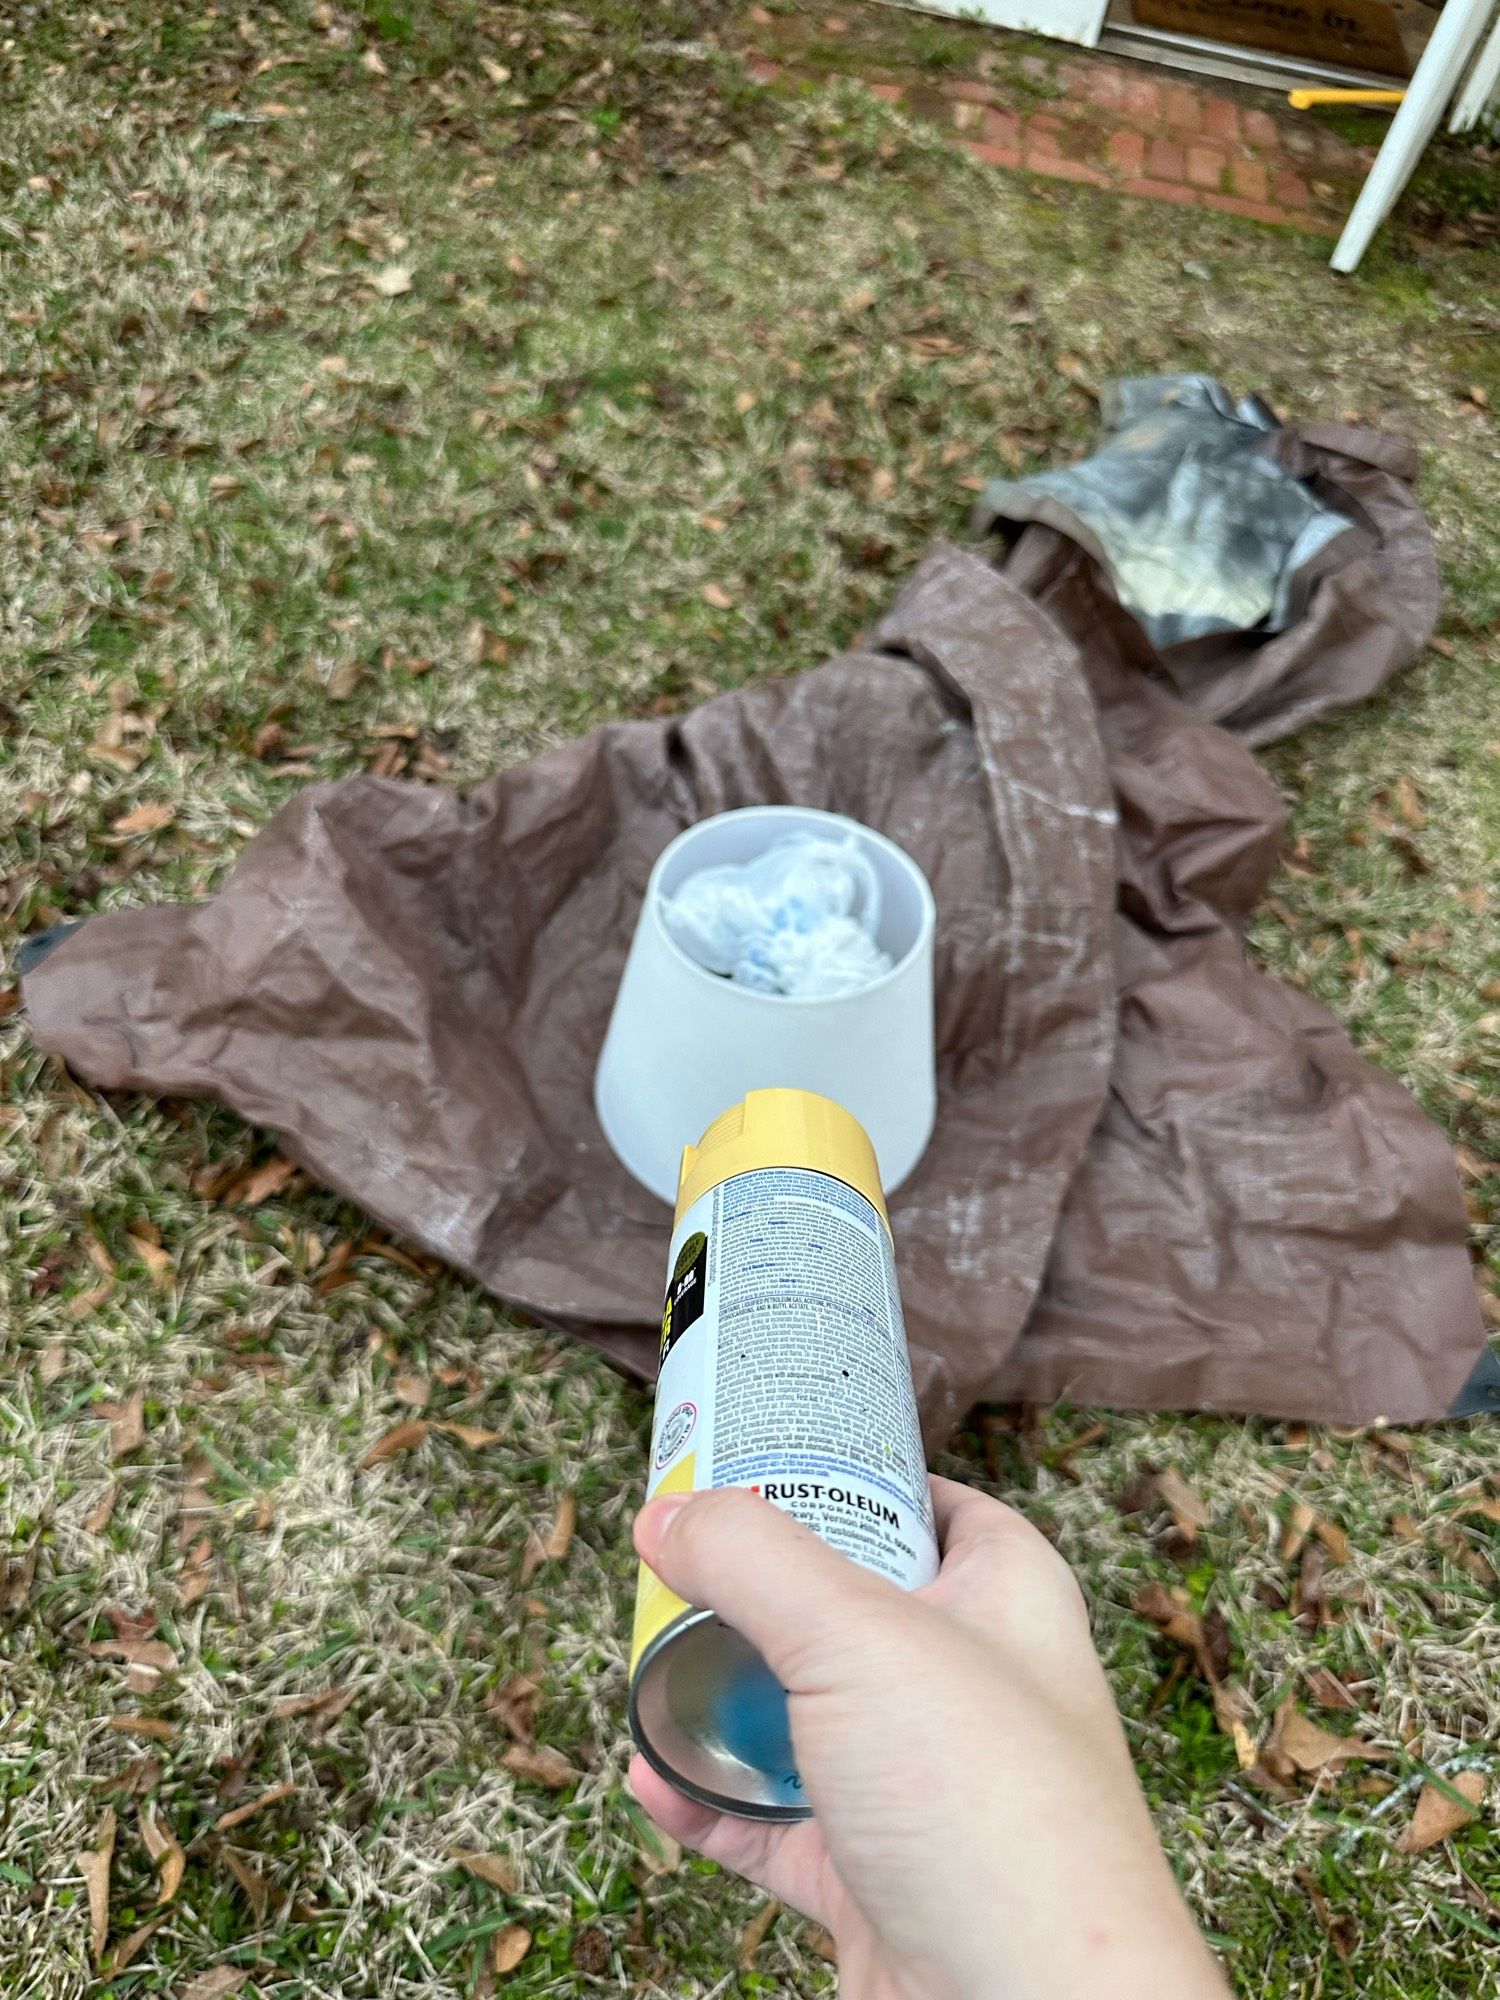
1261, 68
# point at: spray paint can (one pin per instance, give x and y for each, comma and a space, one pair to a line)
783, 1369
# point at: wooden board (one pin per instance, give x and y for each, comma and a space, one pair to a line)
1362, 33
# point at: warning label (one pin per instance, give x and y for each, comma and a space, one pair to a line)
797, 1370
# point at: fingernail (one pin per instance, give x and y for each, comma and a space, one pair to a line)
654, 1520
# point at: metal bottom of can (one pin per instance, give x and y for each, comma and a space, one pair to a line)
709, 1716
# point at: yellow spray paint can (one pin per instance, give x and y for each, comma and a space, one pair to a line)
784, 1369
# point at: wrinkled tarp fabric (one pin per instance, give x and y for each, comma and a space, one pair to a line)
1199, 529
1158, 1179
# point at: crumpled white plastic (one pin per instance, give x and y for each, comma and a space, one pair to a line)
799, 920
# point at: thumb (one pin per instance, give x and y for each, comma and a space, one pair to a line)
772, 1579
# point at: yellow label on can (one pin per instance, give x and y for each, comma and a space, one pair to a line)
655, 1605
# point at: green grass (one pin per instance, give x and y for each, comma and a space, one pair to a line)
663, 332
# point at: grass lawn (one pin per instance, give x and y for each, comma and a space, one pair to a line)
417, 385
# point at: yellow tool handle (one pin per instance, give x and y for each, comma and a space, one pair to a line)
1303, 100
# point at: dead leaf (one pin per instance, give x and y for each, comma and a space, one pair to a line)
153, 1653
98, 1517
1178, 1621
1438, 1818
1233, 1714
1333, 1538
241, 1813
371, 62
509, 1948
144, 819
1305, 1520
129, 1946
197, 1572
1299, 1745
157, 1260
94, 1866
716, 595
344, 679
514, 1705
1487, 1509
392, 281
327, 1707
821, 1944
499, 1870
1310, 1606
127, 1424
1409, 802
470, 1434
1073, 370
1404, 1528
17, 1575
755, 1933
541, 1764
559, 1537
1328, 1691
1184, 1505
1456, 1545
167, 1857
140, 1776
144, 1725
413, 1390
257, 1889
258, 1184
496, 72
224, 486
400, 1437
1340, 1930
216, 1984
660, 1853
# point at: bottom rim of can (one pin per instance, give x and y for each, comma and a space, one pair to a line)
701, 1795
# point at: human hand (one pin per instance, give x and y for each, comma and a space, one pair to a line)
977, 1827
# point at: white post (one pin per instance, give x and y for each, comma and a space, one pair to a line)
1484, 78
1454, 40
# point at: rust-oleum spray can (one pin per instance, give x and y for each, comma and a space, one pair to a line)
783, 1369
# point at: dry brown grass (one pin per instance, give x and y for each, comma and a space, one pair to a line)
659, 335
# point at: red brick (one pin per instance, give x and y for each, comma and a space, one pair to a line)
1172, 191
1221, 120
969, 93
1168, 162
1257, 211
1099, 81
994, 156
1205, 166
890, 92
1084, 79
1291, 190
1127, 151
1062, 169
1046, 129
1260, 129
967, 116
1182, 108
1249, 179
1141, 100
1262, 211
1003, 128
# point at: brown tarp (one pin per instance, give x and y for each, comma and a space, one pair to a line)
1158, 1179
